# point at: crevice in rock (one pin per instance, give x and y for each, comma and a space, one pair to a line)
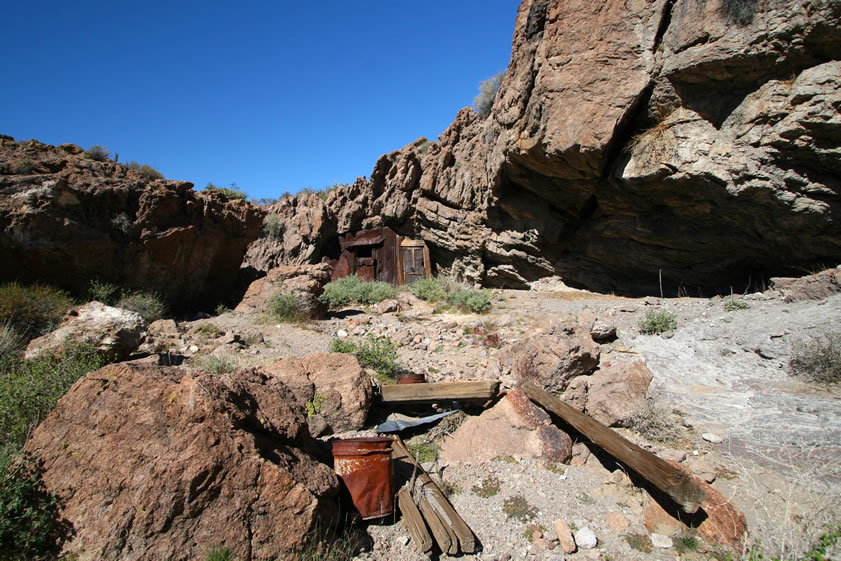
665, 20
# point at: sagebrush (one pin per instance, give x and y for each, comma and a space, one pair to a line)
378, 353
353, 290
32, 311
149, 305
818, 359
657, 321
484, 101
286, 307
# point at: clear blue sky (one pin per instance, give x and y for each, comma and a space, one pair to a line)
276, 96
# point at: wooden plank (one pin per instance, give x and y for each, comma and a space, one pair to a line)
440, 531
673, 481
427, 263
444, 391
413, 521
439, 501
365, 237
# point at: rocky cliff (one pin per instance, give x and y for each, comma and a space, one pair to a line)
66, 220
693, 141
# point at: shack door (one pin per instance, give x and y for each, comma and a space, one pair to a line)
413, 268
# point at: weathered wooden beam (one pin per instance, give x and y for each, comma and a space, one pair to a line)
444, 391
440, 531
440, 503
673, 481
413, 521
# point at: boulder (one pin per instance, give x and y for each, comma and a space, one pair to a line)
305, 282
70, 219
333, 386
162, 463
513, 427
811, 287
552, 360
618, 392
718, 521
116, 333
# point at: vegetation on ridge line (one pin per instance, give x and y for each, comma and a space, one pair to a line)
231, 192
483, 102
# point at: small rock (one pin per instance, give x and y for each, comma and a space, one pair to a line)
341, 333
403, 540
565, 536
712, 437
585, 538
671, 455
661, 541
617, 522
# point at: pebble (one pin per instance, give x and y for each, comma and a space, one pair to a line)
341, 333
712, 437
585, 538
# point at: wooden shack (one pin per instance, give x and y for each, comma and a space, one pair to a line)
380, 254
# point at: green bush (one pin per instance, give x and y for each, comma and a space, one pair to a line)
150, 173
30, 524
487, 93
25, 166
273, 226
32, 310
732, 304
378, 353
353, 290
97, 153
148, 304
285, 307
232, 192
104, 292
219, 364
818, 359
10, 344
29, 390
477, 301
655, 321
219, 553
431, 290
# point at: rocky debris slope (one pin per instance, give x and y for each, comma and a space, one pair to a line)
66, 219
635, 147
162, 463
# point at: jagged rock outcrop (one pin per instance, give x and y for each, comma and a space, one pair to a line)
66, 219
689, 142
304, 282
160, 463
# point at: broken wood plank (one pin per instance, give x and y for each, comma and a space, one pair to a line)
413, 521
673, 481
445, 510
440, 530
444, 391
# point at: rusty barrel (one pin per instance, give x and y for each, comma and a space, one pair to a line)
410, 378
364, 466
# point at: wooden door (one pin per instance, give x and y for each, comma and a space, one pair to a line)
413, 264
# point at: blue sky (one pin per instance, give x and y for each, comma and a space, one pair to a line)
275, 96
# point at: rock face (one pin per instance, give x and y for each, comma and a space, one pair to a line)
115, 333
554, 359
336, 386
305, 282
66, 220
695, 142
158, 463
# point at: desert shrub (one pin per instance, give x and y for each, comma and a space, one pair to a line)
150, 173
285, 307
121, 222
32, 310
490, 487
732, 304
353, 290
221, 308
29, 390
216, 364
317, 547
477, 301
148, 304
423, 451
487, 93
219, 553
97, 153
25, 166
432, 289
10, 344
656, 144
818, 359
378, 353
30, 525
104, 292
273, 226
518, 507
207, 330
314, 405
232, 192
656, 422
657, 321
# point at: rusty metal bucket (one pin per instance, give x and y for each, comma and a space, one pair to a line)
364, 466
410, 378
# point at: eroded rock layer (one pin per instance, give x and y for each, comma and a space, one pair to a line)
67, 220
688, 144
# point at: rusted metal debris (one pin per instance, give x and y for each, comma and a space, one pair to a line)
365, 467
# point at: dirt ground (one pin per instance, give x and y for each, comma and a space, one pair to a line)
725, 372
